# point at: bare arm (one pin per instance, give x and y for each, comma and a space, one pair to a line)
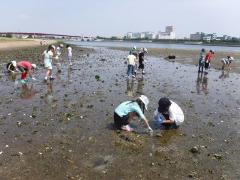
147, 124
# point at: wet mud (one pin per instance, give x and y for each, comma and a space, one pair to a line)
64, 129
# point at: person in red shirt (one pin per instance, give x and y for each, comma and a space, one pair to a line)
208, 59
26, 68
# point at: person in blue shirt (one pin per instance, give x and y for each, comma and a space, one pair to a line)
201, 61
127, 110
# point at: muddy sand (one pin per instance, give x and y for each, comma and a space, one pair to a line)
63, 130
6, 43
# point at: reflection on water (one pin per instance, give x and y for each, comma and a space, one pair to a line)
130, 85
27, 91
202, 83
224, 74
49, 94
140, 85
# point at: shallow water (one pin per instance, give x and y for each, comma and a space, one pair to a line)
64, 129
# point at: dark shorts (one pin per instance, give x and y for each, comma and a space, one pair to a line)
141, 66
120, 121
206, 65
21, 69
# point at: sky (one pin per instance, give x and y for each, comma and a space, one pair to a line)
117, 17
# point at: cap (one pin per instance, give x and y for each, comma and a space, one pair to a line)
145, 100
14, 63
34, 66
145, 50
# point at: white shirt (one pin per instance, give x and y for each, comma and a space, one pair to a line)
131, 59
176, 113
69, 51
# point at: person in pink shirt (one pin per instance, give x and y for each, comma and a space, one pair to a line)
25, 68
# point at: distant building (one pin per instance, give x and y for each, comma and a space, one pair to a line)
168, 34
197, 36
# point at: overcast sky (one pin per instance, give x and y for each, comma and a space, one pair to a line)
117, 17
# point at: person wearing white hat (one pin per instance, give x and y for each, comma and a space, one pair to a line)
168, 113
11, 66
227, 61
69, 50
126, 111
25, 68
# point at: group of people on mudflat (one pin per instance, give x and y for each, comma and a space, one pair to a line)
206, 58
51, 55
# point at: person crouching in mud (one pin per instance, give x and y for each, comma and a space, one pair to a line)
126, 111
141, 59
24, 67
168, 114
227, 62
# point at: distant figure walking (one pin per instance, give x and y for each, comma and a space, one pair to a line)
58, 57
227, 62
208, 59
69, 54
201, 61
141, 59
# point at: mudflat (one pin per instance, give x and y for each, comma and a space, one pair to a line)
64, 129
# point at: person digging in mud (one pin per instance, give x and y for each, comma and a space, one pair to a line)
208, 59
24, 67
227, 62
201, 61
168, 114
141, 59
126, 111
48, 56
11, 67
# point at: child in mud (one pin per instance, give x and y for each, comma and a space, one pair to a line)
58, 56
131, 59
24, 67
227, 62
141, 59
48, 56
168, 114
69, 50
127, 110
208, 59
201, 61
11, 66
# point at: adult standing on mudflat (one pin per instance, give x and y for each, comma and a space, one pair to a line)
141, 59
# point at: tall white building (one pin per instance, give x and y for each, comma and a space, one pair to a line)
168, 34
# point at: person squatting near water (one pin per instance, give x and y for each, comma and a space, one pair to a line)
227, 62
141, 59
131, 61
201, 61
168, 114
24, 67
208, 59
126, 111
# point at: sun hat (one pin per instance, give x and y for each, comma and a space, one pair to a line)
231, 58
34, 66
14, 63
145, 100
